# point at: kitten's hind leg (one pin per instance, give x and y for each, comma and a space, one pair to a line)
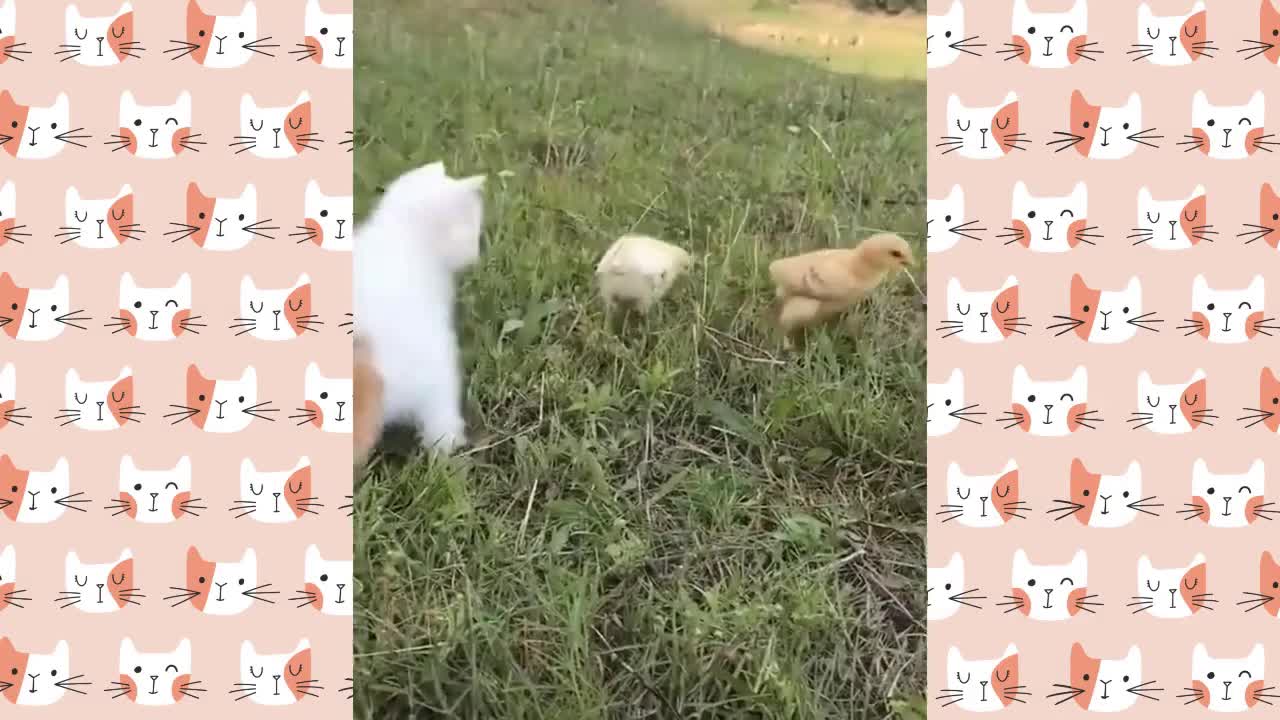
439, 417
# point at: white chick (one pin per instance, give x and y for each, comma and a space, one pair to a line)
639, 270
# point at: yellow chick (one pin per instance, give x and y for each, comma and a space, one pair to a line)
816, 286
639, 270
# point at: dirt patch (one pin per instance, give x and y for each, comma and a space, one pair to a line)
772, 32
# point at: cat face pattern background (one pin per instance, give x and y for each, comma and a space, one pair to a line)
175, 391
1102, 389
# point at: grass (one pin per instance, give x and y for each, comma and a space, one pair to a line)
668, 517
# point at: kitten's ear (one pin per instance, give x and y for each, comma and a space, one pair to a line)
303, 97
249, 558
1197, 192
1257, 654
127, 649
312, 189
250, 376
1019, 560
1197, 560
1134, 287
127, 101
1080, 193
1134, 102
1144, 15
247, 653
183, 652
125, 554
953, 474
1197, 376
61, 283
250, 194
956, 562
125, 190
1009, 282
954, 658
73, 559
1144, 379
62, 101
1144, 197
246, 286
957, 195
250, 11
1257, 472
184, 285
1010, 98
954, 288
8, 373
184, 102
1133, 657
1144, 566
312, 373
312, 556
1020, 192
247, 105
126, 465
61, 653
303, 644
246, 467
953, 104
73, 377
303, 279
1080, 376
1256, 285
7, 555
1080, 560
1009, 651
183, 468
1020, 376
1199, 469
125, 372
60, 468
1080, 8
1009, 466
193, 556
956, 377
1134, 471
126, 283
1199, 101
1258, 102
73, 14
303, 461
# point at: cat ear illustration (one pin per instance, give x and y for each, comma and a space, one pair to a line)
1199, 469
1257, 654
1144, 197
7, 556
954, 658
312, 555
250, 558
184, 102
956, 195
125, 554
60, 652
250, 194
183, 651
125, 190
1134, 103
953, 104
1020, 193
1080, 376
73, 559
184, 285
60, 284
73, 377
247, 653
246, 467
1010, 650
1011, 97
303, 461
303, 97
1144, 567
303, 644
1256, 285
955, 377
1197, 560
124, 373
250, 376
1198, 191
1079, 560
953, 473
1257, 471
312, 373
1009, 466
193, 555
1257, 101
127, 101
127, 648
183, 468
956, 563
1199, 101
1133, 657
1197, 376
247, 287
250, 11
1020, 560
247, 105
7, 374
127, 284
1020, 376
1080, 193
954, 287
1134, 470
1134, 286
1009, 282
303, 279
60, 468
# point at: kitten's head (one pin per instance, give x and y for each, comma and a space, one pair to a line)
222, 223
1050, 407
99, 41
982, 685
99, 587
329, 583
983, 500
1227, 316
1050, 40
1105, 500
982, 133
162, 678
1050, 592
275, 313
1226, 499
221, 588
1172, 224
100, 404
450, 212
1106, 133
328, 400
1172, 39
982, 316
36, 678
34, 496
34, 314
154, 496
100, 223
1172, 592
1228, 132
221, 405
1105, 684
155, 314
282, 679
1106, 316
946, 589
946, 223
275, 496
945, 39
1227, 684
1173, 409
329, 36
275, 132
219, 41
155, 132
35, 132
328, 218
1051, 224
946, 407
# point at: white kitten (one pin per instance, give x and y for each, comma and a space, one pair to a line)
99, 404
221, 41
36, 496
1173, 409
983, 501
162, 678
275, 313
982, 316
984, 685
275, 496
280, 679
40, 674
154, 496
982, 133
222, 224
1051, 408
328, 401
1227, 316
1228, 684
275, 132
1227, 500
1051, 592
36, 314
1051, 224
424, 230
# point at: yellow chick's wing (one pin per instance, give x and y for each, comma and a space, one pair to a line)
822, 275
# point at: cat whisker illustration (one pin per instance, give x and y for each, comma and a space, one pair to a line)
182, 596
183, 413
1192, 511
12, 234
1016, 140
309, 598
1086, 604
966, 414
1087, 419
966, 230
1142, 688
258, 591
188, 506
261, 407
1263, 143
964, 44
72, 502
182, 48
1141, 603
350, 141
189, 324
1192, 142
188, 142
14, 416
70, 319
120, 141
117, 507
1205, 48
1013, 603
15, 598
260, 230
1011, 420
1065, 510
68, 601
1141, 321
12, 52
183, 231
122, 324
1192, 327
304, 51
348, 324
1257, 232
1086, 233
1011, 51
1013, 323
305, 416
1068, 324
1087, 51
349, 507
1195, 694
951, 695
1263, 511
1065, 141
965, 598
1141, 506
1067, 693
1255, 48
1141, 417
70, 138
73, 684
258, 46
951, 142
68, 52
350, 690
1012, 695
306, 233
1259, 416
1143, 138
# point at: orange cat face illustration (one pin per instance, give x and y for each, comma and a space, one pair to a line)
1105, 132
99, 41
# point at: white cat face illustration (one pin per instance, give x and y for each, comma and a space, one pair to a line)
154, 314
99, 587
946, 222
101, 404
154, 496
1227, 316
1106, 317
1108, 132
224, 588
1228, 684
1172, 40
37, 132
275, 496
1172, 224
275, 132
1228, 132
982, 133
983, 501
980, 316
1106, 683
38, 679
1226, 500
1104, 501
222, 224
328, 218
330, 36
1050, 408
275, 313
100, 41
1050, 592
1172, 409
946, 406
156, 678
99, 223
36, 496
1171, 593
329, 583
945, 38
221, 41
281, 679
159, 131
1050, 40
947, 592
223, 405
328, 401
35, 314
981, 685
1051, 224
